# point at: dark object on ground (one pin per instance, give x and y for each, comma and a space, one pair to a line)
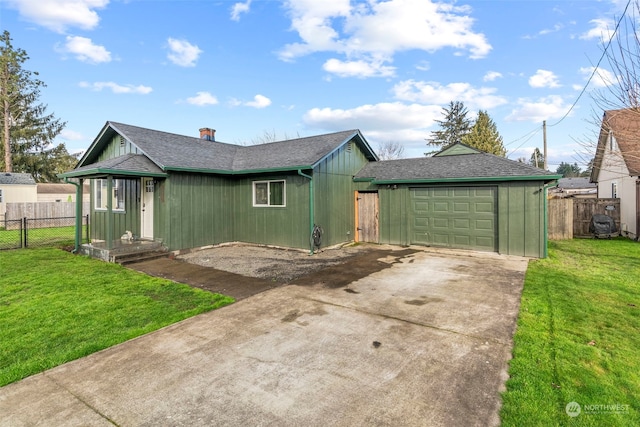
602, 226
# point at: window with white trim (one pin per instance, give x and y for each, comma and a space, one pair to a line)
117, 197
269, 193
1, 195
614, 190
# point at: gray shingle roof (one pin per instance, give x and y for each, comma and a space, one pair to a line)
16, 178
128, 163
462, 166
575, 182
172, 151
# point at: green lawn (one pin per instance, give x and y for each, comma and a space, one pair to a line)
578, 338
39, 237
56, 307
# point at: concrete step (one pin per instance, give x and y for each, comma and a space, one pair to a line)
130, 258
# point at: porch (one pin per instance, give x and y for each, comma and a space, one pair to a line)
125, 251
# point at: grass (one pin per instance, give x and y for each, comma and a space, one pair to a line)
56, 307
37, 237
578, 338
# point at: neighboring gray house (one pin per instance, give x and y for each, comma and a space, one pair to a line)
16, 188
579, 187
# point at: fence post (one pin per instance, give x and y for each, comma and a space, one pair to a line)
87, 219
24, 227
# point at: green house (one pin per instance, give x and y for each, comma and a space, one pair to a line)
189, 192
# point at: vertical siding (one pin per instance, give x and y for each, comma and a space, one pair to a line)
192, 210
129, 220
395, 215
274, 225
521, 219
334, 194
117, 147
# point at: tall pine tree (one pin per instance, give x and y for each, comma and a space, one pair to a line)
26, 128
484, 136
454, 126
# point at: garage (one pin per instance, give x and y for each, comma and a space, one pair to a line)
454, 217
461, 198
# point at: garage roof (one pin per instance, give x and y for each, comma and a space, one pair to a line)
472, 165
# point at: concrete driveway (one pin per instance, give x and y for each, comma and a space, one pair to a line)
424, 342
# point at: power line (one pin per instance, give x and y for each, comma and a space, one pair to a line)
595, 69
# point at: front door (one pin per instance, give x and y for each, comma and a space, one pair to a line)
367, 207
147, 208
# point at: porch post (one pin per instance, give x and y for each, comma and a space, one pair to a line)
109, 218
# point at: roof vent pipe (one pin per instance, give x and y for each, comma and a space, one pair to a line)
208, 134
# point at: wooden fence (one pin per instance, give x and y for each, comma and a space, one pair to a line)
43, 210
569, 218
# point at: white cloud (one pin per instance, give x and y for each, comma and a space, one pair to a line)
182, 52
71, 135
239, 8
116, 88
491, 76
550, 107
85, 51
58, 15
544, 79
368, 32
434, 93
202, 99
601, 78
602, 30
360, 68
259, 101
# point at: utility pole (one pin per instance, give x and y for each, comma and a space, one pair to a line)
544, 142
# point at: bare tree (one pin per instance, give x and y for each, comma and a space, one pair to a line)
622, 87
267, 137
390, 150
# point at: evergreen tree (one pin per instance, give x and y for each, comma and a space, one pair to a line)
568, 170
454, 126
26, 129
484, 136
45, 165
537, 159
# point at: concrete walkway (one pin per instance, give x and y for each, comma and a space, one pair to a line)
425, 342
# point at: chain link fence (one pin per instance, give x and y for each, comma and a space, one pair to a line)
41, 232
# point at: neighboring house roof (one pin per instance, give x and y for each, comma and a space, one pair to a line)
625, 125
52, 188
575, 183
163, 151
469, 165
16, 178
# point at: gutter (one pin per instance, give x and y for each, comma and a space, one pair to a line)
311, 208
462, 179
78, 231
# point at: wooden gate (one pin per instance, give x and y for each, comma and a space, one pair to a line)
584, 209
367, 217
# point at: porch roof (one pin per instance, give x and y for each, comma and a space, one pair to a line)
126, 165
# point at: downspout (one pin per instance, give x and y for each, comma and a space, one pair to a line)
311, 208
78, 231
546, 187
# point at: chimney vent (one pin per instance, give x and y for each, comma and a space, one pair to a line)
208, 134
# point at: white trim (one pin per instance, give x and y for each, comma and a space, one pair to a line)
118, 190
268, 195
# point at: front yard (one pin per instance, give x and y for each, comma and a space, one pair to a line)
575, 360
56, 307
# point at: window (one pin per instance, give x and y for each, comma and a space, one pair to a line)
269, 193
117, 199
1, 195
614, 190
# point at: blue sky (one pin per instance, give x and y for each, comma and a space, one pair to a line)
304, 67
